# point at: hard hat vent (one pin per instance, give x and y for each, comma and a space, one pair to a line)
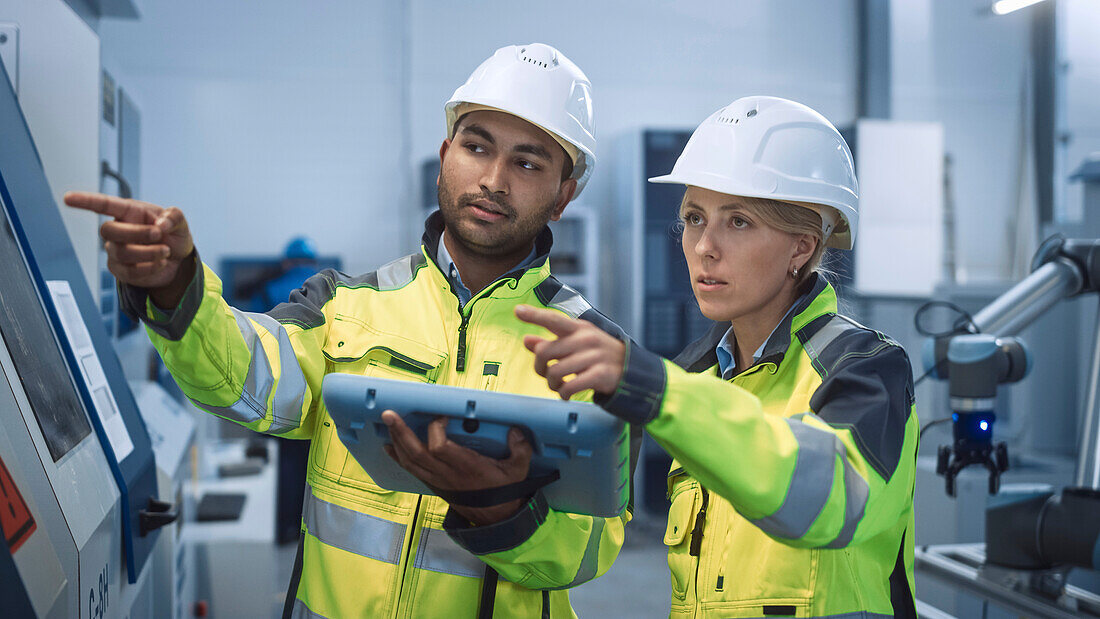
731, 116
539, 55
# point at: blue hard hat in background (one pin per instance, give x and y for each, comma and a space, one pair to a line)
300, 247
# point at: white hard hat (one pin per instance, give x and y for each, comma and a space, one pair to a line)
767, 147
540, 85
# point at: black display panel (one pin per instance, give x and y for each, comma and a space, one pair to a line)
30, 340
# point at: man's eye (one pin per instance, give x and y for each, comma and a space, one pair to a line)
527, 165
474, 148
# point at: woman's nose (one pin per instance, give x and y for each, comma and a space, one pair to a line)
706, 246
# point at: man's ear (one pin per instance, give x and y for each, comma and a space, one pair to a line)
442, 153
565, 195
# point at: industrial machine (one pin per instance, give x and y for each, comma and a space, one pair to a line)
1034, 534
80, 502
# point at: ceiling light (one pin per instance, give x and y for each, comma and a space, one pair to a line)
1003, 7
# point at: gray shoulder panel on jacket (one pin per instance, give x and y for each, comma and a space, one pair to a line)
304, 307
553, 293
866, 386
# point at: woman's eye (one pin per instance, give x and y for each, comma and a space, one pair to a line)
693, 219
738, 222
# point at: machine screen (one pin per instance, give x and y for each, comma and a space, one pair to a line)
30, 341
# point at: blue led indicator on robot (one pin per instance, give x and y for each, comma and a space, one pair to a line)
984, 425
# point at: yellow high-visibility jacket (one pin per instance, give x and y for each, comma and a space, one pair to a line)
369, 552
792, 483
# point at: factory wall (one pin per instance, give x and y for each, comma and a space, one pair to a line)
267, 121
263, 124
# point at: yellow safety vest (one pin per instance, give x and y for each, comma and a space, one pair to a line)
792, 483
369, 552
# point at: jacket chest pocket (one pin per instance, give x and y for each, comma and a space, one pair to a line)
354, 348
684, 497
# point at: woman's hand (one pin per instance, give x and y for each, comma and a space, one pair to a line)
590, 356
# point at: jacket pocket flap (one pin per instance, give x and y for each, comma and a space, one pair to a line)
351, 340
679, 517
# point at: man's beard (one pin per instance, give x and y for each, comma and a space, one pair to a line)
505, 237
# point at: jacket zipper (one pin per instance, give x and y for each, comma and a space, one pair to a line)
460, 355
460, 358
697, 530
399, 607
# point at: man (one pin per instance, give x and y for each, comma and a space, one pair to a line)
519, 148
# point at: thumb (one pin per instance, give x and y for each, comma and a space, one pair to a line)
530, 342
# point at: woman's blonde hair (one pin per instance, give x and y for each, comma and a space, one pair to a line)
792, 219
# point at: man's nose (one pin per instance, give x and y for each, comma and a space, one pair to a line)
495, 177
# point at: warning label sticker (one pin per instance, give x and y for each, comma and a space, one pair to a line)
16, 520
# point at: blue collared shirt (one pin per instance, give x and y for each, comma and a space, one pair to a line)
447, 265
726, 363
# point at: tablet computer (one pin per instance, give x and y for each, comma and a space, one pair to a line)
588, 447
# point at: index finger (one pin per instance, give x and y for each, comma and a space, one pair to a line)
556, 322
133, 211
401, 435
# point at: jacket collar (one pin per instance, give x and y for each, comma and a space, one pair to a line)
820, 298
433, 233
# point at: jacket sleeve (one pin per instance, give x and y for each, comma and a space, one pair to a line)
262, 371
540, 548
835, 475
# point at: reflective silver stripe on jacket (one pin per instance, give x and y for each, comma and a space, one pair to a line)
834, 328
397, 274
860, 615
301, 611
260, 379
352, 531
811, 484
437, 552
590, 562
569, 301
287, 404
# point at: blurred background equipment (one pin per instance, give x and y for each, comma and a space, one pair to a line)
973, 126
79, 466
1034, 534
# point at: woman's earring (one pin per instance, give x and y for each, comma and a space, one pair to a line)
794, 273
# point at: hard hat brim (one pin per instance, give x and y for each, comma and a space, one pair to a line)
839, 239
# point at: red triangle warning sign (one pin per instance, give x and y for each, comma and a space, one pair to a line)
16, 520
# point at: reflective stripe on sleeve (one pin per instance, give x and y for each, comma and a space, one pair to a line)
590, 562
855, 502
290, 393
810, 486
352, 531
855, 615
260, 379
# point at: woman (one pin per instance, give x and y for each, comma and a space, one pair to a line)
791, 426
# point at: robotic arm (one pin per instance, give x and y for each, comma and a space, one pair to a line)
975, 364
976, 358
